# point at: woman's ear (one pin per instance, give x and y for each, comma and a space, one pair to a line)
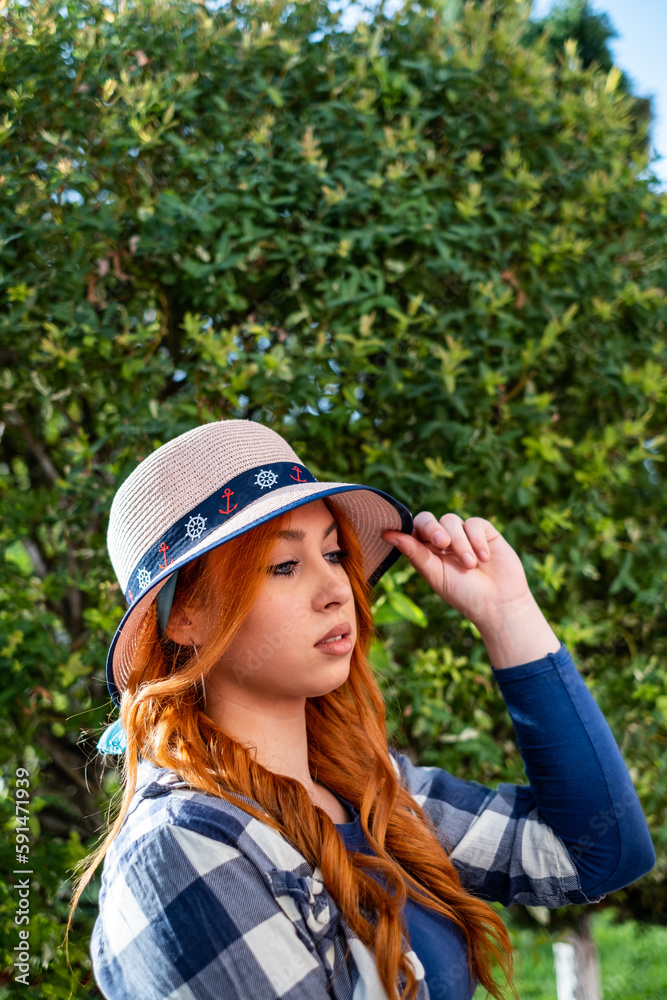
185, 627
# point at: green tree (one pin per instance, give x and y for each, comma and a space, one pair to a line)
592, 32
427, 253
575, 20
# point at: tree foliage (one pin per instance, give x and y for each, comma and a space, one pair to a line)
592, 31
576, 21
428, 253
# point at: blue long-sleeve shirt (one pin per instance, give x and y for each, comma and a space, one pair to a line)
578, 783
201, 900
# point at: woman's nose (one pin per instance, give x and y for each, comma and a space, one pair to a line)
334, 587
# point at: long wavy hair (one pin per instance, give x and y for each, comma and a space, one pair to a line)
166, 722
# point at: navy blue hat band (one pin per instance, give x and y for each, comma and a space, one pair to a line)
219, 508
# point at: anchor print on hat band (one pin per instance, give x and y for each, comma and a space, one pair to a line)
219, 508
227, 495
163, 549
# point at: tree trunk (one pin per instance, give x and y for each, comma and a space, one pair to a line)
577, 964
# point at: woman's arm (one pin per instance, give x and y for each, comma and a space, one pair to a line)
577, 775
578, 831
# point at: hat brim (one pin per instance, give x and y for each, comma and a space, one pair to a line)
371, 511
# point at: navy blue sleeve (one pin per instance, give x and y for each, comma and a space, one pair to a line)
577, 775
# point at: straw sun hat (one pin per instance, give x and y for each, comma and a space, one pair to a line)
204, 487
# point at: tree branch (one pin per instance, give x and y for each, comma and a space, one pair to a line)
47, 465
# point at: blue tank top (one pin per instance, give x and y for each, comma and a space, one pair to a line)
435, 939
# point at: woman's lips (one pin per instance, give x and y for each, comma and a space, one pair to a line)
342, 629
336, 647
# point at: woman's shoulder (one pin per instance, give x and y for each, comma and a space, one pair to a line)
193, 883
167, 818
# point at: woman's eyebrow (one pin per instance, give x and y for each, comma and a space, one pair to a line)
298, 534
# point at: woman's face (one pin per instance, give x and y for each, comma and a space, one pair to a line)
278, 653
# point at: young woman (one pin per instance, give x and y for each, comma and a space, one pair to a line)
269, 843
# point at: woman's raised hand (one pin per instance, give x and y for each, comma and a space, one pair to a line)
468, 563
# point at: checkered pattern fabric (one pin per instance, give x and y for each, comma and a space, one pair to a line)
200, 901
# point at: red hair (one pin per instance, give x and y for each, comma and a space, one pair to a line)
347, 751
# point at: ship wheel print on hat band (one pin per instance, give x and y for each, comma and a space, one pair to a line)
194, 529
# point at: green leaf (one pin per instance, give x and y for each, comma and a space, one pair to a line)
407, 609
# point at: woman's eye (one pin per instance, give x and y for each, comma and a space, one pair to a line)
338, 555
284, 569
288, 568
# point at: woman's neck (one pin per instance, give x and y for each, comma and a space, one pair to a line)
276, 733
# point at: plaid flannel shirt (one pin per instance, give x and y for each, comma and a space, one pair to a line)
200, 901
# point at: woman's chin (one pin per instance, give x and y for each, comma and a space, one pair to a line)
329, 679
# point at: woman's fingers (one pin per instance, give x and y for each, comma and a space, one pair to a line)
460, 544
477, 531
419, 554
429, 530
467, 540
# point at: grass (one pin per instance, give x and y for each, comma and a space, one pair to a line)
633, 959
